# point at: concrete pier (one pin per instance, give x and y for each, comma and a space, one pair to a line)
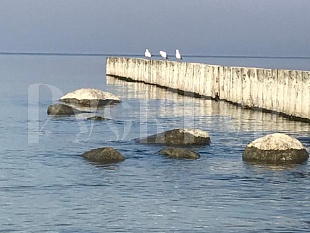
281, 91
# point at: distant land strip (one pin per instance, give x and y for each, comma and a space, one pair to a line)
141, 55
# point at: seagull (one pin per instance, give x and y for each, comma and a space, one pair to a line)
178, 55
163, 54
147, 53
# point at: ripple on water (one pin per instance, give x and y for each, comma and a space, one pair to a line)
49, 187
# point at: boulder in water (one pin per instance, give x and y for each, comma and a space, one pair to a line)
97, 118
178, 137
179, 153
88, 97
104, 155
61, 110
275, 148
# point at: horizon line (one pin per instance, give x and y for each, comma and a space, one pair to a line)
141, 55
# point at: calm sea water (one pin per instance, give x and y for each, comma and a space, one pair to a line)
46, 186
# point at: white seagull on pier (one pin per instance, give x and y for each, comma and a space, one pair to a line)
163, 54
147, 53
178, 55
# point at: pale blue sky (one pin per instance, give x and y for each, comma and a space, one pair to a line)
204, 27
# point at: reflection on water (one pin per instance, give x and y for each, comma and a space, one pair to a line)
229, 117
49, 187
262, 167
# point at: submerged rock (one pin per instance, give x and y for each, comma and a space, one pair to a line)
178, 137
275, 148
61, 110
104, 155
97, 118
179, 153
88, 97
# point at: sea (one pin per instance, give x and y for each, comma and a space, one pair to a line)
47, 186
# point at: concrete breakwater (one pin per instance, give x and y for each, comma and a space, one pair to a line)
281, 91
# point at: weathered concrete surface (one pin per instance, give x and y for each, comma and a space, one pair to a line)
275, 148
179, 153
282, 91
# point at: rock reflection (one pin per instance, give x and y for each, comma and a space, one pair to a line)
263, 167
109, 166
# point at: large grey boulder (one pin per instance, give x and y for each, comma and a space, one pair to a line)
88, 97
104, 155
178, 137
179, 153
275, 148
61, 110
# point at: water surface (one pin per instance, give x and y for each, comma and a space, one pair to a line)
46, 186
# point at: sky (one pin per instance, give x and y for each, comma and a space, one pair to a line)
200, 27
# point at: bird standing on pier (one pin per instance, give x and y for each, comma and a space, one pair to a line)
163, 54
178, 55
147, 53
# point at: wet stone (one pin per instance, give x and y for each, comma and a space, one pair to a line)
275, 148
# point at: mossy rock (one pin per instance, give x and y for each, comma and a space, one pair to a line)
104, 155
179, 153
